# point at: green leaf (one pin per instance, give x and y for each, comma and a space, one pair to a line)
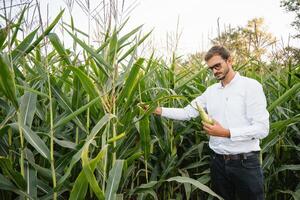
46, 32
88, 172
75, 113
144, 130
187, 186
6, 184
276, 127
15, 176
3, 36
145, 187
131, 81
114, 180
128, 35
295, 195
86, 82
28, 108
79, 188
283, 98
7, 80
113, 48
103, 121
54, 39
65, 143
134, 47
15, 33
118, 137
98, 58
81, 183
75, 29
84, 156
65, 104
31, 180
36, 141
23, 46
196, 183
32, 90
288, 167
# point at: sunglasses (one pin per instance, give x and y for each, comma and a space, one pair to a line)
216, 66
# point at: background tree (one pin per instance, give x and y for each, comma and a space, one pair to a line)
293, 6
247, 43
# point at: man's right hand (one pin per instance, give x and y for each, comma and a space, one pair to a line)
157, 110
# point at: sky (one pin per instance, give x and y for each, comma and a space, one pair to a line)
198, 19
195, 20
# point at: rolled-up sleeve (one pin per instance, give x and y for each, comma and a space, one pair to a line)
256, 113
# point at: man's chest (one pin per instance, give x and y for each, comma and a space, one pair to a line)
227, 102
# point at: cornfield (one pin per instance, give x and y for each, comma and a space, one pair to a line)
72, 125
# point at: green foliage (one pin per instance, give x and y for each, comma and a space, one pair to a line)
77, 118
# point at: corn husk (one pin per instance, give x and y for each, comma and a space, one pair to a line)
204, 116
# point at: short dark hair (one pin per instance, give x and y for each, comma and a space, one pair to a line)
217, 50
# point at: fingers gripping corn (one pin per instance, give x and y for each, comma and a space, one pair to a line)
204, 115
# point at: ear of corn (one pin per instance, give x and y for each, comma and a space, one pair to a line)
204, 116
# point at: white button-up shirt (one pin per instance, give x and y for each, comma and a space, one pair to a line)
240, 106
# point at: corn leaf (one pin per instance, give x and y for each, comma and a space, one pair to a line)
283, 98
15, 176
36, 141
81, 183
181, 179
132, 49
7, 80
46, 32
59, 48
98, 58
28, 108
113, 48
3, 36
103, 121
75, 113
114, 180
6, 184
20, 50
131, 81
86, 82
31, 180
144, 130
88, 172
65, 104
17, 28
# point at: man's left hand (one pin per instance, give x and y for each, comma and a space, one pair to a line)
216, 129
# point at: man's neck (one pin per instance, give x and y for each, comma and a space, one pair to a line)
228, 78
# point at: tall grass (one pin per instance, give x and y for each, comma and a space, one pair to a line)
71, 126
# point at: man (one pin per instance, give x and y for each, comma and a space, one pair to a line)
237, 105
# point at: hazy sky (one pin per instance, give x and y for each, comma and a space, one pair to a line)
197, 18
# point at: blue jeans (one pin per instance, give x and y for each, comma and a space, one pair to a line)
237, 178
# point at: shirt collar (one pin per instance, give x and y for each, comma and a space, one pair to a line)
235, 79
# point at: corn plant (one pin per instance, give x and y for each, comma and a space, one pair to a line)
72, 124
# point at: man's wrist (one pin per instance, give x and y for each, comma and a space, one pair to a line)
158, 111
227, 133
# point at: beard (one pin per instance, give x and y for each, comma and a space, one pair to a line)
221, 75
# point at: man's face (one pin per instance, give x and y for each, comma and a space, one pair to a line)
219, 66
